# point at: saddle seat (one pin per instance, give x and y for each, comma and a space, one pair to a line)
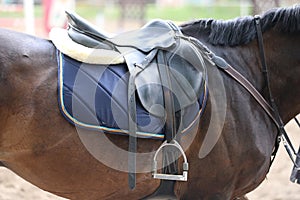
155, 34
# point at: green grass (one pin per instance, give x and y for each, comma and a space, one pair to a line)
192, 12
88, 11
184, 13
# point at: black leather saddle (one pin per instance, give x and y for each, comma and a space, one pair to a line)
85, 33
166, 70
186, 69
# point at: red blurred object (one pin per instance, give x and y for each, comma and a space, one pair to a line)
54, 13
47, 7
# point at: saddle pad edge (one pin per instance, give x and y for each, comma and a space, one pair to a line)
113, 130
77, 123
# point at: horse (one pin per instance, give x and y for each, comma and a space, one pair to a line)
38, 144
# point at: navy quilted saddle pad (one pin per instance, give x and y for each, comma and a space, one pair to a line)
95, 97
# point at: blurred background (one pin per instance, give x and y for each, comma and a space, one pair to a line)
37, 17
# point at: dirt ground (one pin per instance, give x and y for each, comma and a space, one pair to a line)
276, 187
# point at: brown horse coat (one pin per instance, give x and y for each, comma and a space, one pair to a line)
38, 144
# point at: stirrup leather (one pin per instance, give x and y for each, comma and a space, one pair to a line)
173, 177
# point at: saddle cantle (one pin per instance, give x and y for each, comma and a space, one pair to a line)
85, 54
163, 67
83, 32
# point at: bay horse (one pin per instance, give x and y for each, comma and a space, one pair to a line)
38, 144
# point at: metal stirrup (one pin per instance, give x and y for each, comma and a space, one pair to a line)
174, 177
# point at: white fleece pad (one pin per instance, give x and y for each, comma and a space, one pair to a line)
66, 45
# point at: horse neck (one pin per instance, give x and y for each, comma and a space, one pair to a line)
283, 63
282, 57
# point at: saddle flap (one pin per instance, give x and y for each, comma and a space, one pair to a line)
187, 74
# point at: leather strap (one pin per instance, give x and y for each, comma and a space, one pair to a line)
170, 126
281, 130
132, 126
131, 56
132, 146
164, 72
265, 70
257, 96
271, 110
222, 64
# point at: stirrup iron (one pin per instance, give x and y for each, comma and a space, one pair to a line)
173, 177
